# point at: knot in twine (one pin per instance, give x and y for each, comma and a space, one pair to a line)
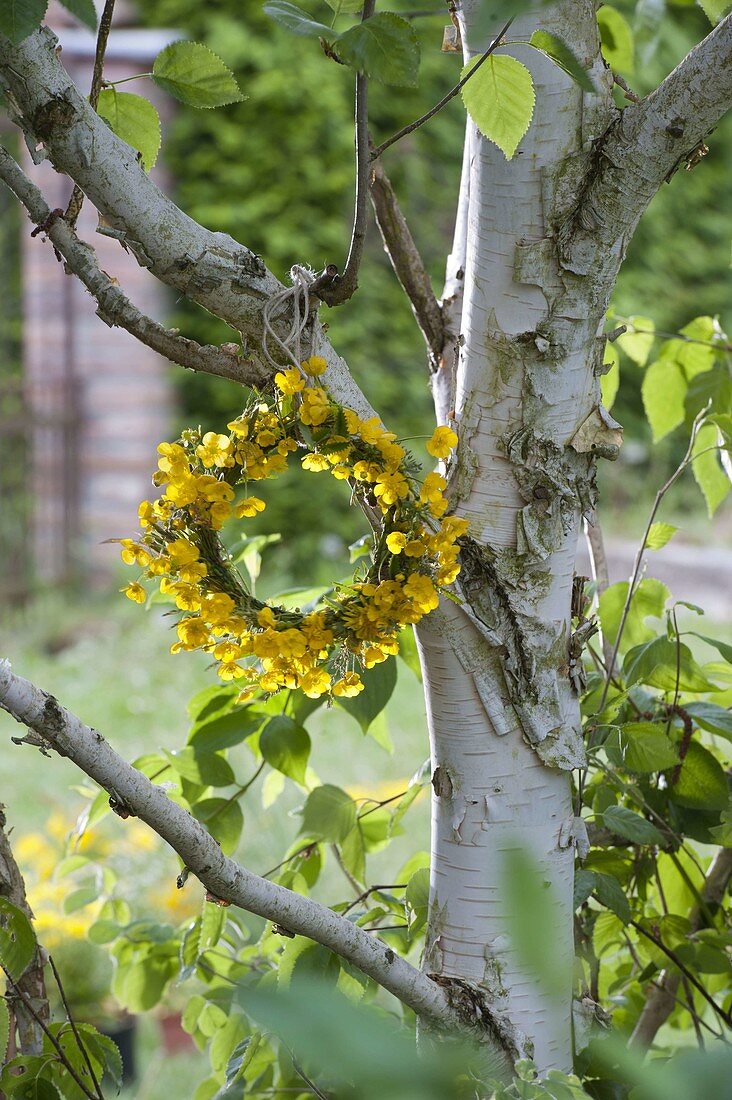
297, 297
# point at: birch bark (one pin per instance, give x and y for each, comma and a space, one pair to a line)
502, 705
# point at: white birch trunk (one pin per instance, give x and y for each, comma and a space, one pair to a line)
502, 709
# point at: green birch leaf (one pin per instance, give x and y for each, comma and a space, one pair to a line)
711, 478
379, 683
224, 730
646, 748
560, 53
722, 648
19, 18
17, 939
697, 358
610, 382
702, 783
298, 21
194, 75
209, 769
616, 39
713, 388
712, 718
610, 893
285, 745
385, 47
84, 11
408, 651
637, 345
624, 822
500, 100
416, 900
659, 535
584, 884
664, 391
134, 119
649, 601
329, 814
665, 665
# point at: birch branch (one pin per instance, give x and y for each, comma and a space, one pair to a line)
661, 999
650, 140
212, 269
407, 262
114, 307
61, 730
30, 987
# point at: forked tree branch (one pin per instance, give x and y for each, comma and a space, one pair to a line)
646, 145
211, 269
114, 307
55, 727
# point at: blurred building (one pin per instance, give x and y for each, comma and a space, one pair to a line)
85, 406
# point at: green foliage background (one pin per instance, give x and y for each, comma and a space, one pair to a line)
276, 171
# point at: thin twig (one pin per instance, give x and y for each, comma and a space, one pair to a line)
77, 1036
352, 880
236, 795
114, 307
725, 1016
407, 262
105, 22
642, 548
51, 1038
445, 99
310, 1084
344, 286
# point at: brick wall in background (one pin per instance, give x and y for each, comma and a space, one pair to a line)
98, 400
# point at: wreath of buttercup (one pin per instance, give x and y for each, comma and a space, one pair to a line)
413, 558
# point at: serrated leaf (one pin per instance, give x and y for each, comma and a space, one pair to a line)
624, 822
646, 748
666, 665
500, 100
616, 39
133, 119
664, 392
610, 893
559, 52
659, 535
329, 814
285, 745
193, 74
84, 11
715, 10
385, 47
298, 21
19, 18
213, 920
702, 783
610, 382
710, 476
711, 388
379, 683
17, 939
223, 818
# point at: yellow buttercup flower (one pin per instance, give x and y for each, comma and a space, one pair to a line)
289, 381
349, 686
134, 591
315, 366
443, 441
249, 507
